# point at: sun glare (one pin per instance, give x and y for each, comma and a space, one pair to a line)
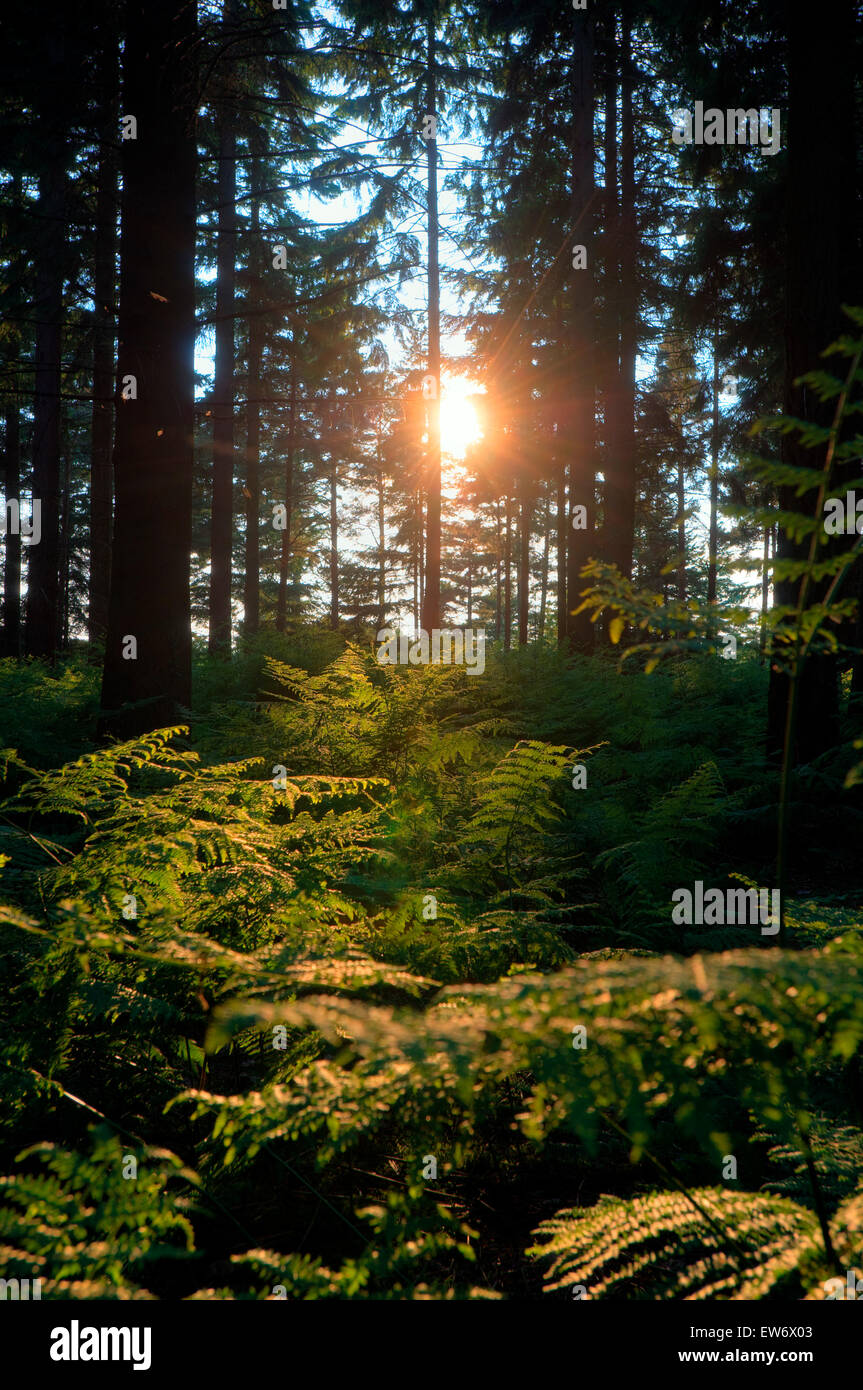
459, 425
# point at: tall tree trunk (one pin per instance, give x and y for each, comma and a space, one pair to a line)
543, 585
416, 548
820, 274
625, 440
582, 467
610, 537
334, 547
148, 656
470, 588
765, 591
507, 579
104, 292
382, 537
65, 549
498, 622
285, 556
43, 568
421, 554
524, 566
713, 538
681, 527
222, 522
431, 599
562, 535
256, 332
12, 558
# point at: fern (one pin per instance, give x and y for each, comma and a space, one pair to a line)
86, 1230
711, 1243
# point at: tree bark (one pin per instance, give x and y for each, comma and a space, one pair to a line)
12, 558
43, 567
562, 534
681, 526
222, 521
431, 598
285, 556
713, 536
543, 587
821, 273
507, 579
102, 424
334, 547
524, 567
256, 331
582, 465
154, 435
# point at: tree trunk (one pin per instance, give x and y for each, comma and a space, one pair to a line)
713, 540
498, 623
43, 568
382, 539
524, 568
334, 548
222, 522
562, 533
507, 580
431, 598
820, 275
254, 391
765, 591
582, 467
148, 657
285, 556
470, 588
421, 553
12, 558
681, 526
625, 440
543, 587
64, 550
102, 424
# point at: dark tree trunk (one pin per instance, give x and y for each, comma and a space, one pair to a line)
507, 579
254, 394
765, 590
285, 556
498, 622
12, 558
382, 538
524, 568
713, 536
681, 526
431, 598
154, 435
543, 586
421, 553
334, 547
582, 467
625, 441
820, 275
43, 568
222, 523
102, 426
562, 534
65, 550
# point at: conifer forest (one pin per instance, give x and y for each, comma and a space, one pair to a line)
431, 665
